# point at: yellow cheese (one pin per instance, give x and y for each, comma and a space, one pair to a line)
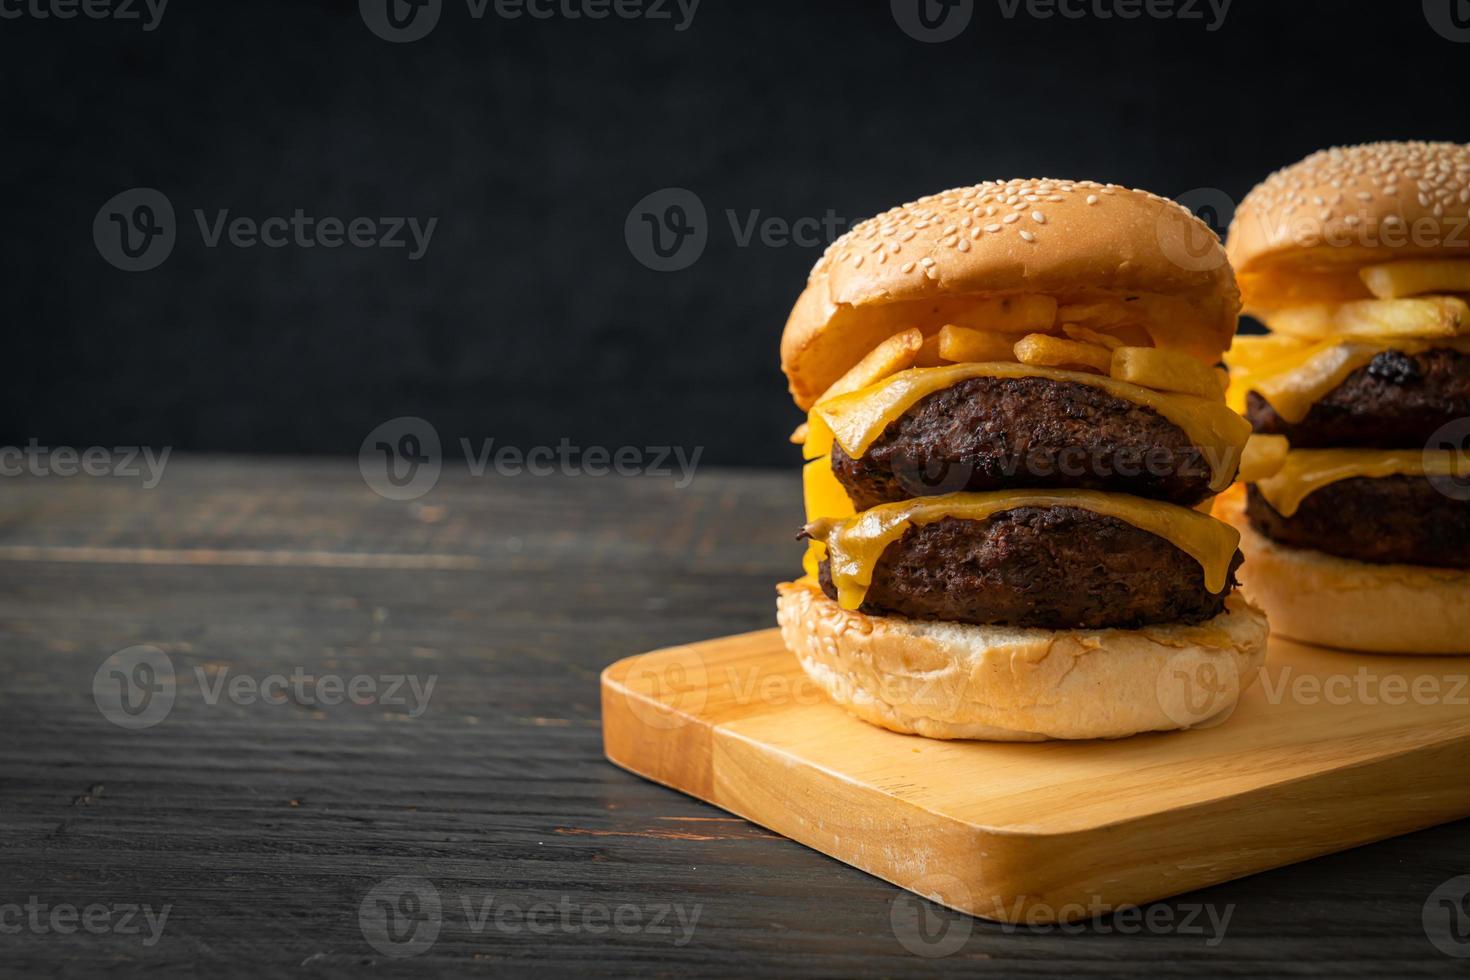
856, 544
1308, 470
1313, 373
856, 420
1292, 374
825, 497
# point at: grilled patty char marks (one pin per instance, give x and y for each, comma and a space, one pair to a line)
1398, 401
1386, 521
1045, 567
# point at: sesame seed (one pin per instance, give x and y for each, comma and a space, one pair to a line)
1028, 236
1038, 217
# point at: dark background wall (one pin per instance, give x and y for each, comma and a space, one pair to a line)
529, 318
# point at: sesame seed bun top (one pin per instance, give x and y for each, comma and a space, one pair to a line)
919, 264
1302, 234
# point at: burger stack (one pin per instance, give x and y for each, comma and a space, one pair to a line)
1016, 428
1358, 259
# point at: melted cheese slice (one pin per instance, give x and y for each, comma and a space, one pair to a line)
825, 498
1308, 470
856, 544
1293, 374
856, 420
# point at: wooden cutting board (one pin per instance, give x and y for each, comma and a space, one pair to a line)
1327, 751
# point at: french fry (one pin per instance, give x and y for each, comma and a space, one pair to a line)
895, 354
963, 345
928, 355
1023, 314
1084, 335
1263, 456
1041, 350
1438, 316
1428, 317
1165, 370
1103, 313
1395, 280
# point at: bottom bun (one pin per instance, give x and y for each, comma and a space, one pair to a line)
953, 680
1317, 598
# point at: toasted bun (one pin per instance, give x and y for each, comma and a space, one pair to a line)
1316, 598
949, 680
1303, 233
1082, 241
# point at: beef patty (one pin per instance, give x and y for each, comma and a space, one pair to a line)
1025, 433
1389, 520
1047, 567
1395, 402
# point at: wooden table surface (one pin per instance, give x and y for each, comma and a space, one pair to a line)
266, 828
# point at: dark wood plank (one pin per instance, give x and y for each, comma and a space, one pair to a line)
264, 826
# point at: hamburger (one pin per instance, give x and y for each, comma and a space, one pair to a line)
1358, 261
1015, 427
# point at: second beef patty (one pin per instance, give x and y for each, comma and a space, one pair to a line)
1046, 567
